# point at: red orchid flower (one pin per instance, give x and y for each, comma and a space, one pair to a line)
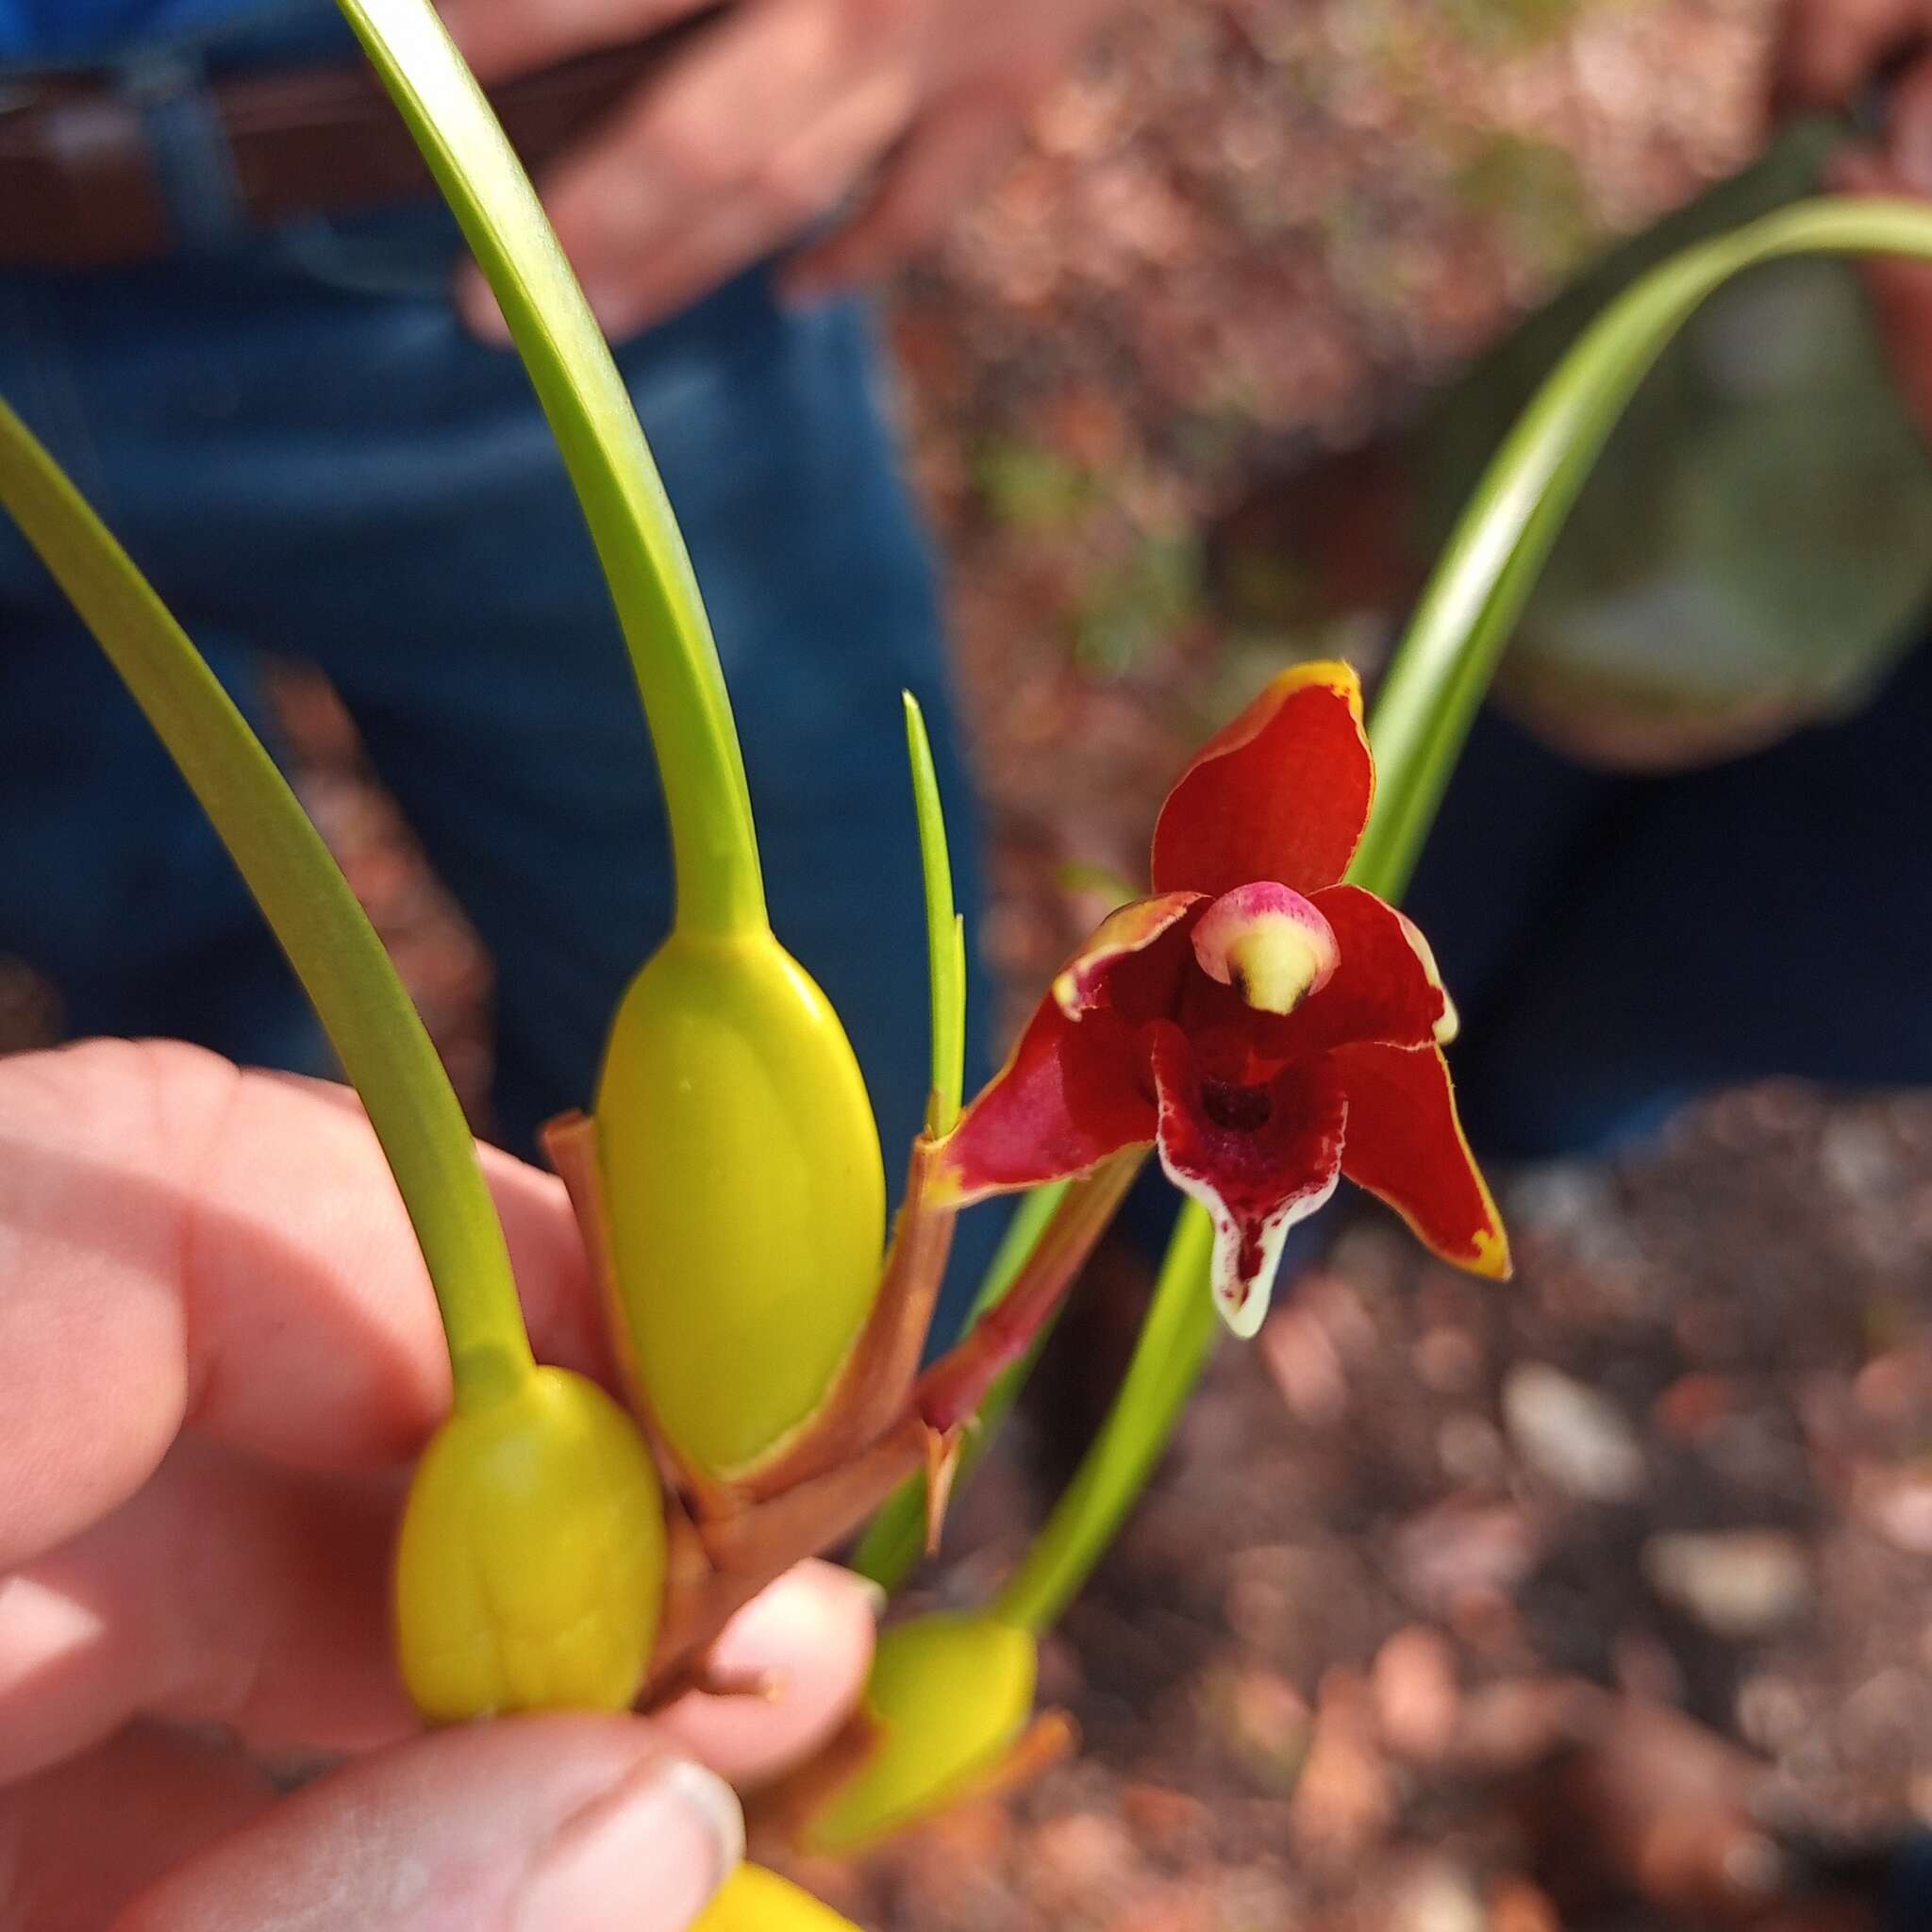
1266, 1027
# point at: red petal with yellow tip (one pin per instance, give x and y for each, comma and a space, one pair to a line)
1076, 1087
1084, 981
1259, 1159
1073, 1092
1281, 793
1405, 1143
1385, 988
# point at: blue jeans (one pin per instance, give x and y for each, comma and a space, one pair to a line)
1619, 944
296, 440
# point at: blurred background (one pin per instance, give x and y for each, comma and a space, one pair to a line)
1599, 1601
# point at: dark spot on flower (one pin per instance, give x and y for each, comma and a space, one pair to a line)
1242, 1109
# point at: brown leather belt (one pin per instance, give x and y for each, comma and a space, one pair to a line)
80, 186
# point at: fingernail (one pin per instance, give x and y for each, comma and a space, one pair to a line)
649, 1852
478, 308
873, 1595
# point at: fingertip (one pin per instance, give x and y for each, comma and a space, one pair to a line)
621, 310
555, 1824
1859, 171
807, 281
810, 1637
476, 307
675, 1829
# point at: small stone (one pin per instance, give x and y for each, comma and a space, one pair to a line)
1693, 1405
1448, 1360
1770, 1713
837, 1882
1646, 1668
1261, 1602
1417, 1698
1898, 1505
1857, 1156
1168, 1824
1061, 1678
1488, 1625
951, 1869
1074, 1866
1436, 1896
1890, 1386
1470, 1450
1511, 1725
1739, 1584
1881, 1724
1177, 1908
1252, 1896
1572, 1436
1331, 1298
1303, 1363
974, 1833
1517, 1906
1268, 1726
1455, 1550
1344, 1803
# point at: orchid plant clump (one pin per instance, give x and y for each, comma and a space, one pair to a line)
1265, 1021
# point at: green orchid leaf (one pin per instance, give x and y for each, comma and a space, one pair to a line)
720, 889
1490, 565
376, 1031
895, 1539
945, 930
1176, 1343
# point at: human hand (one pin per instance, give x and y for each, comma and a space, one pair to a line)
1828, 53
1827, 50
769, 119
218, 1352
1899, 161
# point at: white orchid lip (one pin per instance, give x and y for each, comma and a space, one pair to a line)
1268, 942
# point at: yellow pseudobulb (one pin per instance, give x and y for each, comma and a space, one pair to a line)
951, 1696
530, 1570
755, 1899
745, 1194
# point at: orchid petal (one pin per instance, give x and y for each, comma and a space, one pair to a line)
1386, 986
1259, 1159
1082, 982
1076, 1089
1281, 793
1073, 1091
1406, 1143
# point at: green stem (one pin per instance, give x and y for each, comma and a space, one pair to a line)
340, 962
714, 844
895, 1540
1421, 716
1493, 558
1175, 1344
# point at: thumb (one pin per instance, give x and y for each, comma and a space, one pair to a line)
552, 1823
